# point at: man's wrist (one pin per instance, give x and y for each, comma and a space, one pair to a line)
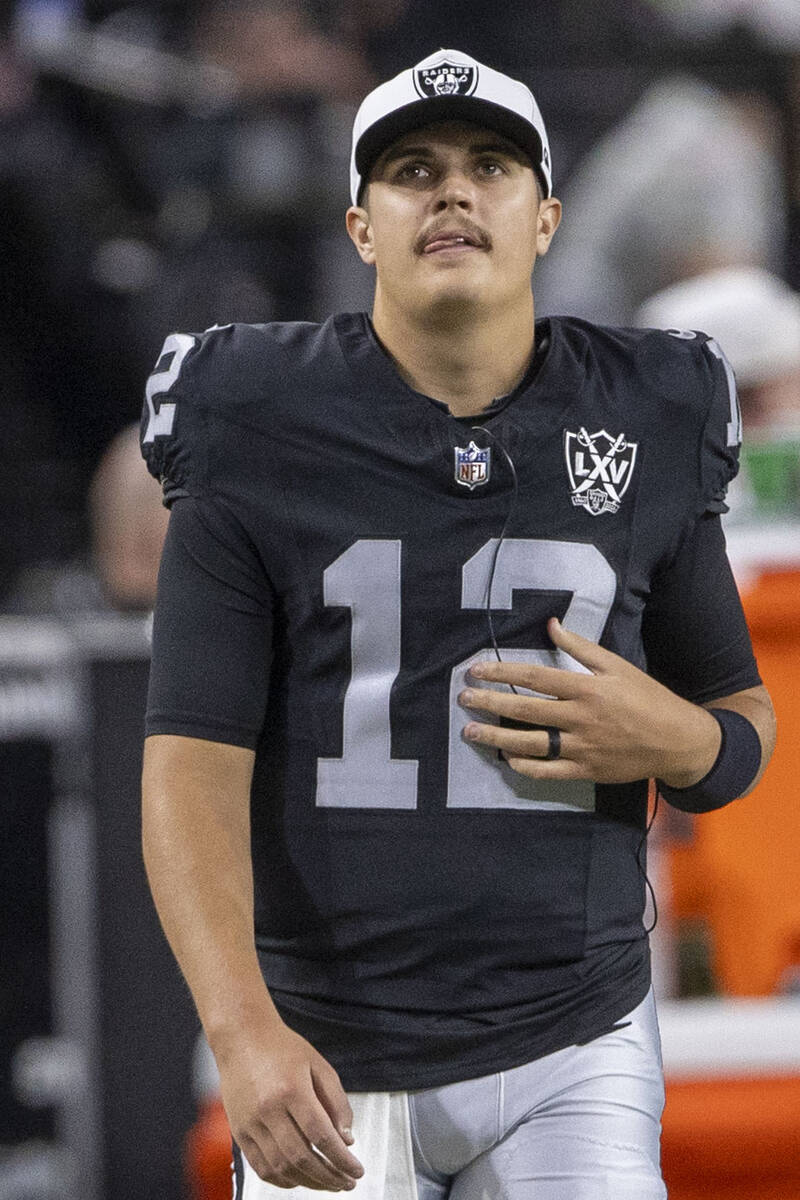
736, 766
243, 1008
698, 750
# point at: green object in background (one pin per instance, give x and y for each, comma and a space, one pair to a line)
694, 951
772, 470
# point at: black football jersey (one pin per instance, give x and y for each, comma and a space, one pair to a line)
338, 548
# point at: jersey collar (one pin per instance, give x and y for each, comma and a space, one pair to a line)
551, 383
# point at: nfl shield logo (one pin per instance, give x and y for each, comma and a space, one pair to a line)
446, 79
473, 466
600, 468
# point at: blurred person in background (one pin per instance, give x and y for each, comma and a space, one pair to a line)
777, 21
692, 179
128, 522
755, 317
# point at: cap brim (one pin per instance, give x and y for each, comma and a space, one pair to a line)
430, 111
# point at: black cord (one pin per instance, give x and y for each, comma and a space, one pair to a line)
643, 870
490, 622
511, 507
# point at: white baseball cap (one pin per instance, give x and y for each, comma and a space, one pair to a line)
753, 315
448, 86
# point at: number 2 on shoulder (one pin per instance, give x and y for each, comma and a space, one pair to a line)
160, 420
161, 417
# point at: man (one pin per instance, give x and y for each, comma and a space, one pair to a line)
399, 721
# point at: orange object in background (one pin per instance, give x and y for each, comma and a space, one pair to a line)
208, 1154
732, 1139
739, 872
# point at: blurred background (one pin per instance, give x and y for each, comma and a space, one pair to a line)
175, 165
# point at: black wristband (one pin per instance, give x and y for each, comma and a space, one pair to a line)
734, 769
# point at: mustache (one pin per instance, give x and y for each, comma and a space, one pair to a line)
467, 229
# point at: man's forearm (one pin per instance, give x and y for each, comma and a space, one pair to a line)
196, 842
284, 1101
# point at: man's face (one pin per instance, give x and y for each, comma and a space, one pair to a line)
451, 218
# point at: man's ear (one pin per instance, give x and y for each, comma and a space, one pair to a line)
547, 223
360, 232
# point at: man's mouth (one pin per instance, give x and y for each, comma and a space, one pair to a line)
456, 240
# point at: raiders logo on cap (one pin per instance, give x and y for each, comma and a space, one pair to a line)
446, 79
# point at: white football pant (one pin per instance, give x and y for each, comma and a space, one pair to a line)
580, 1124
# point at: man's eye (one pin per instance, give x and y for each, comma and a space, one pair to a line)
413, 170
490, 166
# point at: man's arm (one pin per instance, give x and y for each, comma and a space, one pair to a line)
281, 1097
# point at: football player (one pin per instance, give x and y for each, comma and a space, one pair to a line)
443, 589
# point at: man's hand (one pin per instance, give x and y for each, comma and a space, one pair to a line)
617, 724
287, 1110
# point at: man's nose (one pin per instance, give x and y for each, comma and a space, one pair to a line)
455, 191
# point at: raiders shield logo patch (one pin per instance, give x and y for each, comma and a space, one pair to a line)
473, 465
600, 468
446, 79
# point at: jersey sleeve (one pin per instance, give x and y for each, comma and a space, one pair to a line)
212, 629
172, 428
722, 434
694, 631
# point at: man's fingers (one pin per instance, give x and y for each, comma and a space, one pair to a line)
333, 1098
587, 653
550, 681
540, 768
512, 741
518, 708
299, 1158
333, 1121
532, 744
267, 1160
318, 1130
